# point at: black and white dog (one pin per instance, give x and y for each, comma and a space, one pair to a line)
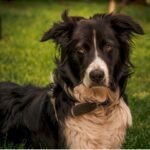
94, 52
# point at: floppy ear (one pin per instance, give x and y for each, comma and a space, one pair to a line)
61, 31
124, 28
124, 25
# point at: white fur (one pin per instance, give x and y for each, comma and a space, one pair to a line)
97, 63
101, 129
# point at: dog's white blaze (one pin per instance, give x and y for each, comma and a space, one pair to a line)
97, 63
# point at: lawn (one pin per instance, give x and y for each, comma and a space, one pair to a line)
23, 59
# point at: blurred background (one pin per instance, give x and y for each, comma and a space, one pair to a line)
23, 59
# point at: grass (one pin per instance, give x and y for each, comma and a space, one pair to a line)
23, 59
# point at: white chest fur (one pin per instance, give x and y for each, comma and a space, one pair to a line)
98, 129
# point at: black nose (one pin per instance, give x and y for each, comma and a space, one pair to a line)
97, 75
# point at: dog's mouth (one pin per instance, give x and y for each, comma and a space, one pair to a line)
98, 84
95, 93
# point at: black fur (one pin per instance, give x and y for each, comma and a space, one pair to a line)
25, 115
26, 112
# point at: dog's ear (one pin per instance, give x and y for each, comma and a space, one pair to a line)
61, 31
124, 25
124, 28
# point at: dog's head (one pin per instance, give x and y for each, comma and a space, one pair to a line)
94, 51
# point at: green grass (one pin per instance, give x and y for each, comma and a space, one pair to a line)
23, 59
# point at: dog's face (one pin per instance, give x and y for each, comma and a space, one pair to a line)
95, 51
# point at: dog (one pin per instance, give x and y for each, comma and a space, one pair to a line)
85, 107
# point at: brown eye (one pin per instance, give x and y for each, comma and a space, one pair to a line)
81, 50
108, 47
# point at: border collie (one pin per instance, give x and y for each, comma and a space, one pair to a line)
94, 56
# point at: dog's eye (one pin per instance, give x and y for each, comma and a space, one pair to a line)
108, 47
81, 50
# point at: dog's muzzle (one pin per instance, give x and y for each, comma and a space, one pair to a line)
97, 76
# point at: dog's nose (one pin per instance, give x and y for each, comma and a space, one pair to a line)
96, 75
